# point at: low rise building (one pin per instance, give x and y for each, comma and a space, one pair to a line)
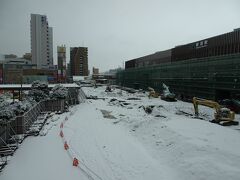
95, 70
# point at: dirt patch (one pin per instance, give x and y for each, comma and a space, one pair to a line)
116, 102
147, 109
107, 114
133, 98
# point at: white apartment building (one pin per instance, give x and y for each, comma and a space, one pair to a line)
41, 42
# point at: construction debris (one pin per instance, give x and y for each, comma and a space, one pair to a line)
167, 95
108, 89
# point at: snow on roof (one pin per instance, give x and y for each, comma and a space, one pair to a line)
15, 85
26, 86
70, 85
78, 78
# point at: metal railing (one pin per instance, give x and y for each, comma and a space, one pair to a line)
21, 124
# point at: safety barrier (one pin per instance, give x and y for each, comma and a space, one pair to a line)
55, 105
21, 125
75, 160
82, 95
73, 96
66, 146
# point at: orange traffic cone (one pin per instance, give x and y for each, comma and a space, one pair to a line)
66, 147
75, 162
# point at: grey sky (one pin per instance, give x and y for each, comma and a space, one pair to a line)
117, 30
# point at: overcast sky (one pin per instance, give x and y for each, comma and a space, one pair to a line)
116, 30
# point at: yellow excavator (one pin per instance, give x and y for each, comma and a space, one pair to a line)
152, 93
222, 115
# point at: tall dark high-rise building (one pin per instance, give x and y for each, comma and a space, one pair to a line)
61, 51
79, 61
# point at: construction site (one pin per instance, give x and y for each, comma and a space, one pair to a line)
121, 133
172, 115
120, 90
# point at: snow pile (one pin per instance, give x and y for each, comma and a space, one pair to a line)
167, 95
6, 115
59, 92
40, 85
21, 107
39, 91
3, 101
9, 109
51, 122
37, 95
7, 96
115, 93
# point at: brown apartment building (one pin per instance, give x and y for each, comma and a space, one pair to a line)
79, 61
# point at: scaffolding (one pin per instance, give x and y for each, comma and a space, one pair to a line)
213, 77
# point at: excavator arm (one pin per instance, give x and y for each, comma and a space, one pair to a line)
204, 102
221, 114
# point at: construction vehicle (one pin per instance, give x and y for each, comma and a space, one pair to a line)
152, 93
222, 115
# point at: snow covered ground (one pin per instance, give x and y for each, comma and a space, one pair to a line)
114, 138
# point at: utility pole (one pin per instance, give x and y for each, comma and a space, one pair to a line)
20, 91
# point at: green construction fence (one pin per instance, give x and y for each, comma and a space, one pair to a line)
212, 78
